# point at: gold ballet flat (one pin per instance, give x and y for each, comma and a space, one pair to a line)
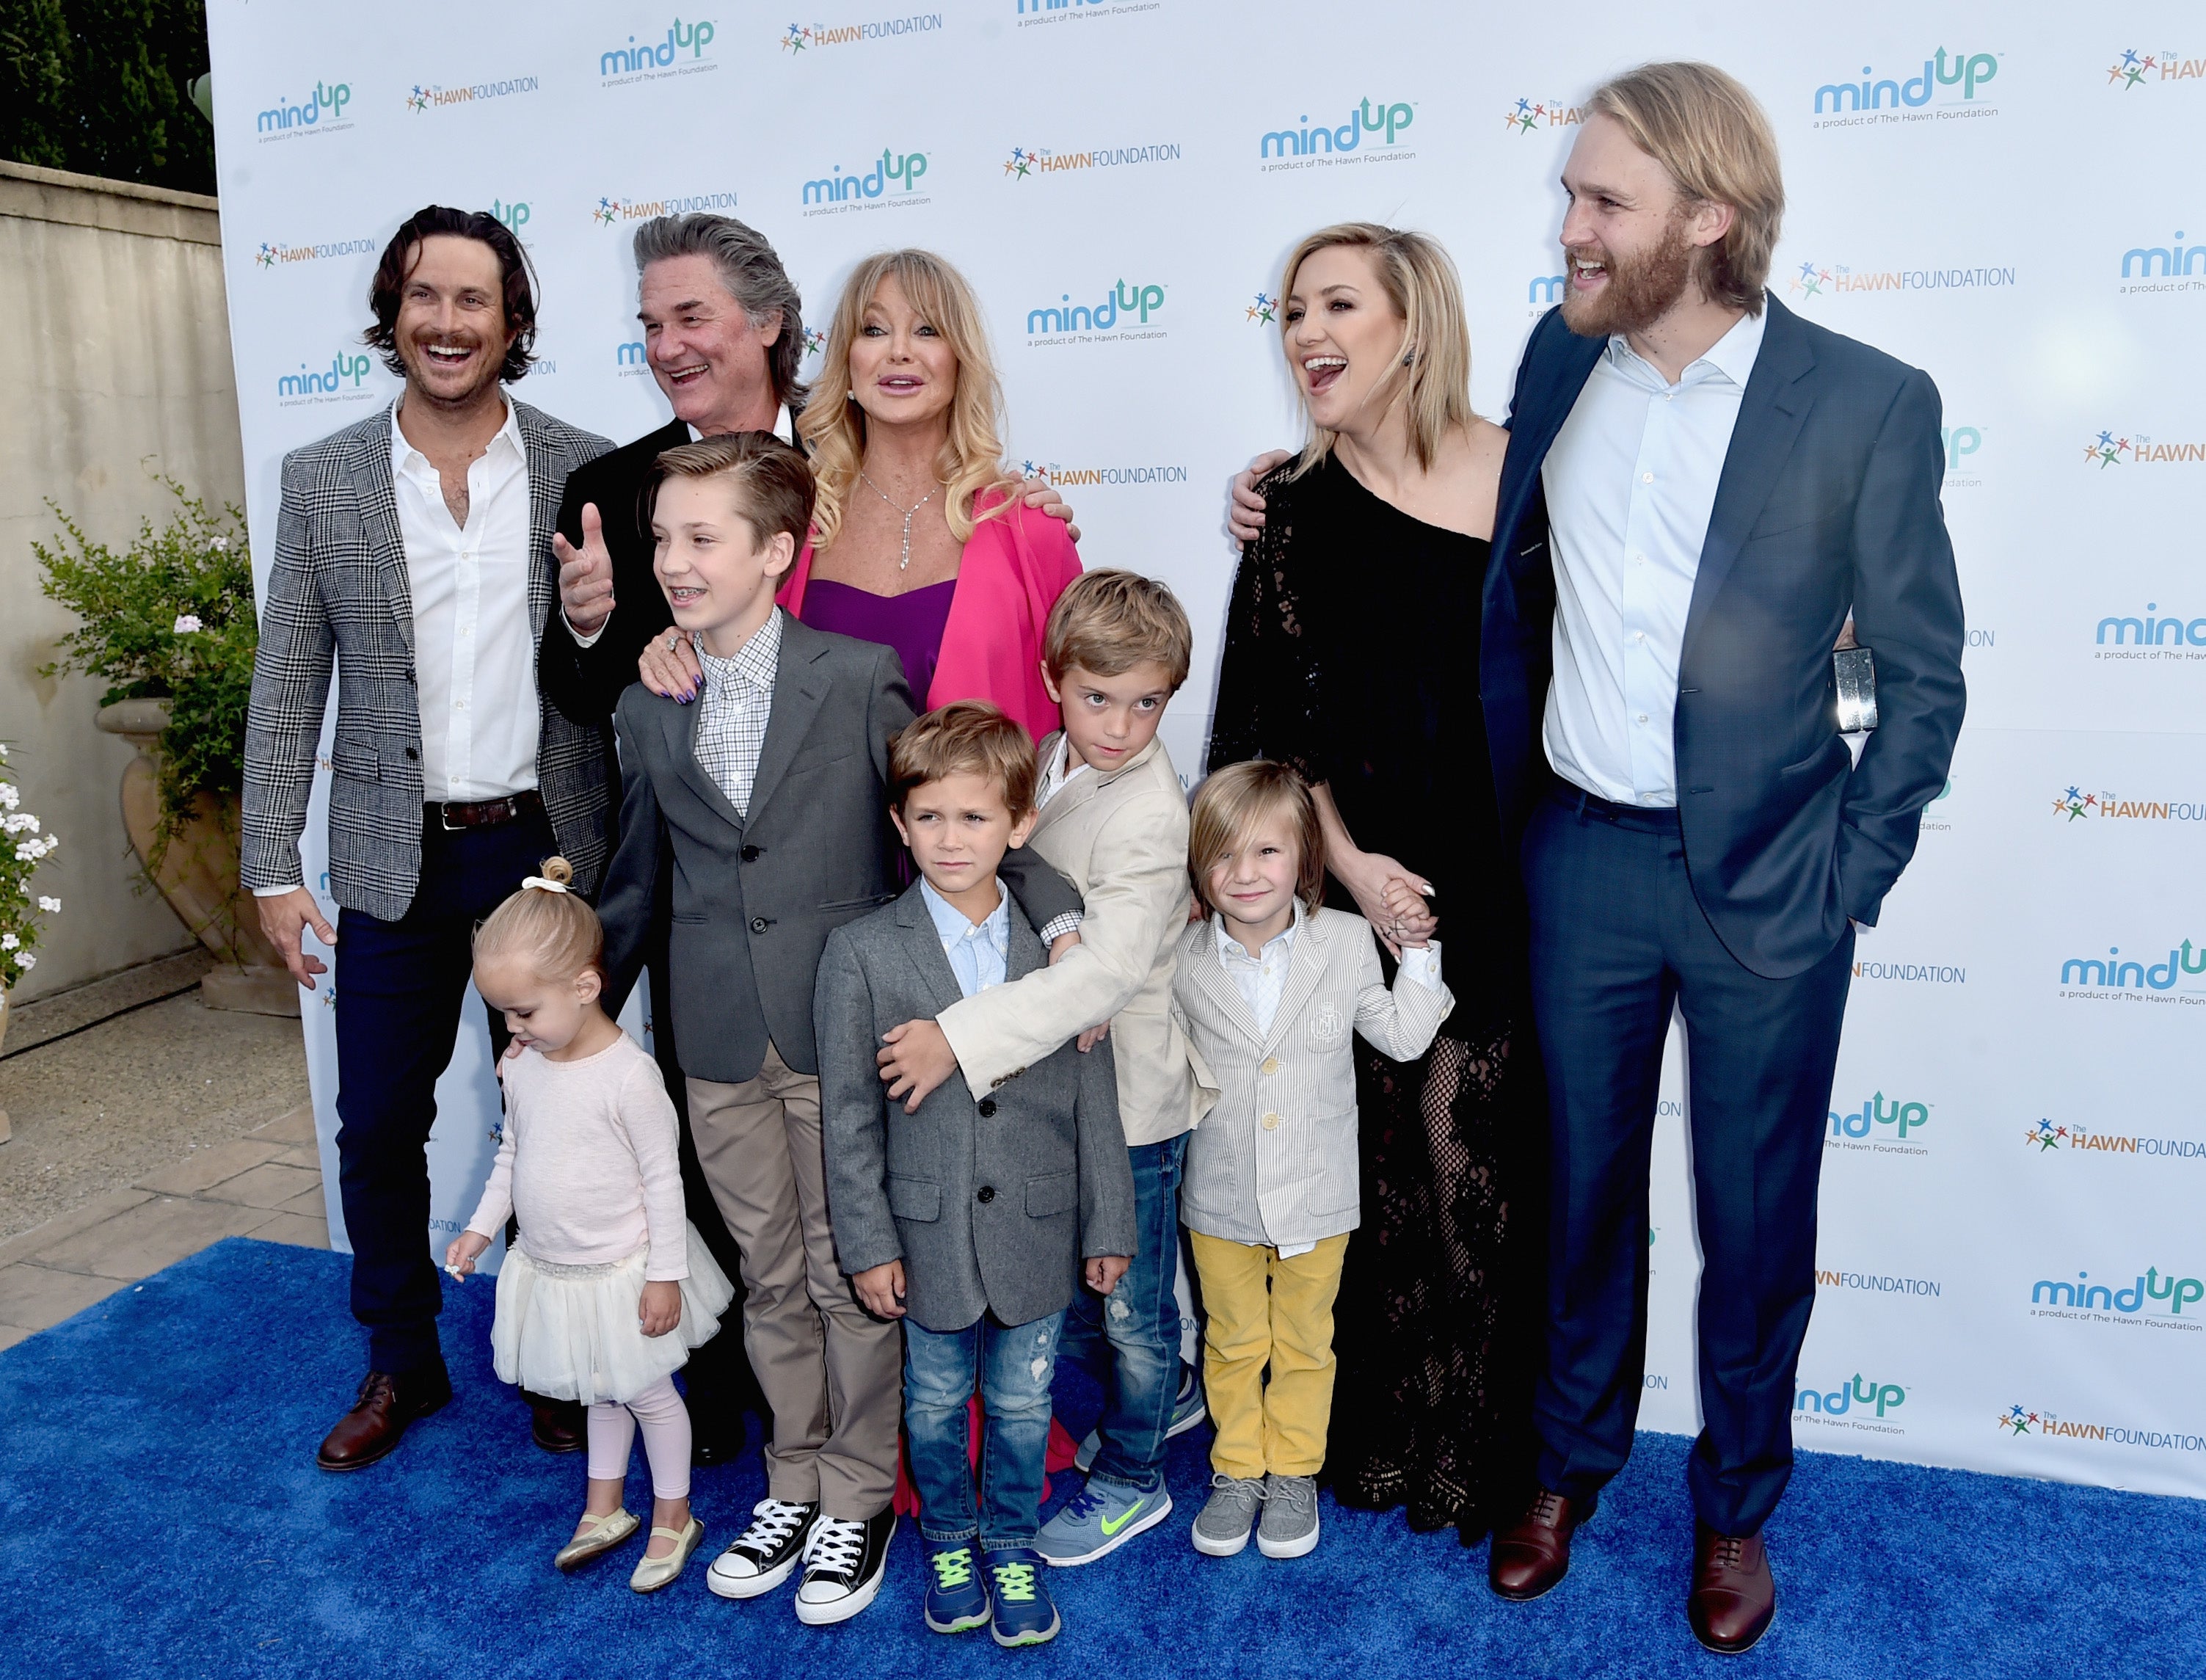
601, 1535
653, 1573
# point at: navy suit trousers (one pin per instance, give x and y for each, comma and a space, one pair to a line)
400, 987
1618, 939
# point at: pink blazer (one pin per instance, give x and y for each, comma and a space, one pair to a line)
1012, 572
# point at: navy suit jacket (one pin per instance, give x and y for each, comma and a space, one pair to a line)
1828, 502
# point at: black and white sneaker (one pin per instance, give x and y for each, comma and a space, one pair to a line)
766, 1553
843, 1568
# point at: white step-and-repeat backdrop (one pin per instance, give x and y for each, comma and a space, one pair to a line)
2011, 1249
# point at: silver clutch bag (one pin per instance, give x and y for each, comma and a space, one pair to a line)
1854, 670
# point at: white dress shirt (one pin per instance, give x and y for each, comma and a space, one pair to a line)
1057, 773
1261, 979
475, 659
734, 709
784, 427
1631, 483
980, 952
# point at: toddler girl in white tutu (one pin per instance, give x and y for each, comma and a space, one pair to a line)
609, 1287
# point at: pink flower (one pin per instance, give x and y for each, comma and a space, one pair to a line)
187, 623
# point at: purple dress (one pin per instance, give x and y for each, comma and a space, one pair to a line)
912, 623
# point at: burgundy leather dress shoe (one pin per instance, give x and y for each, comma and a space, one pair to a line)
557, 1426
388, 1402
1734, 1595
1531, 1555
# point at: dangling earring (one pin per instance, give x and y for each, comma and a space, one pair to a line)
1409, 358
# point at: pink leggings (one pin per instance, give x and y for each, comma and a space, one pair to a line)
665, 1423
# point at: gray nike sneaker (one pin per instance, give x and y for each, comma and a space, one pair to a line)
1289, 1525
1227, 1515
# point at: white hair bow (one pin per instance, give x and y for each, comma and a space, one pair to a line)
539, 881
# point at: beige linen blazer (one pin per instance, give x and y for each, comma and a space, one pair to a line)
1276, 1164
1121, 839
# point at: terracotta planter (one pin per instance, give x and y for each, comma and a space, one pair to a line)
198, 872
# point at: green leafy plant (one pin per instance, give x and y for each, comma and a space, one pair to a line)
23, 848
169, 617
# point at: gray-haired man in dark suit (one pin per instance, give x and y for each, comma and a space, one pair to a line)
414, 551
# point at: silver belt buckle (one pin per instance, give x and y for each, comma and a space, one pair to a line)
444, 819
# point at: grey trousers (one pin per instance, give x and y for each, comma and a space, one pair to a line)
832, 1374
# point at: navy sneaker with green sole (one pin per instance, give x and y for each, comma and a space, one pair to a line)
1024, 1612
956, 1592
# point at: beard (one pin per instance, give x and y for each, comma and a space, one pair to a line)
1640, 289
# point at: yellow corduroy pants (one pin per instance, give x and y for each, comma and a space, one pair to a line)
1263, 1310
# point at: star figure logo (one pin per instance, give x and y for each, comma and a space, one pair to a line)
796, 39
814, 341
2075, 803
418, 100
265, 256
1021, 163
2018, 1421
606, 213
1264, 311
2106, 450
2044, 1135
1810, 280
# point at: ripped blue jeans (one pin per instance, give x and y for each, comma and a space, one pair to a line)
1011, 1366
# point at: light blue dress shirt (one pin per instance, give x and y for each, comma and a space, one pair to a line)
1631, 483
979, 952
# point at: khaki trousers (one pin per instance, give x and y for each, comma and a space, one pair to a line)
1264, 1310
832, 1375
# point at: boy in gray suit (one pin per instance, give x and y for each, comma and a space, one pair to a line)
764, 802
969, 1219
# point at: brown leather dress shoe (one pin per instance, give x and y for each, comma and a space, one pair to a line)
1533, 1554
388, 1402
557, 1426
1734, 1595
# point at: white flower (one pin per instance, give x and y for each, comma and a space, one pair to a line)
187, 623
9, 942
219, 545
27, 961
8, 797
51, 906
28, 852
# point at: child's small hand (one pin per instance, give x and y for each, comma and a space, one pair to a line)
916, 1062
1104, 1271
1062, 944
1094, 1036
880, 1289
460, 1256
661, 1309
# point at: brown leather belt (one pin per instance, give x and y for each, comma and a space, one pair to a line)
486, 814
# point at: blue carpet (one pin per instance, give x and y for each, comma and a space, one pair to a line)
160, 1514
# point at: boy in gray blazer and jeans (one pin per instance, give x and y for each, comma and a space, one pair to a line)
973, 1220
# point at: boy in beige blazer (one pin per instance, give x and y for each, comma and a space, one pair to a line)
1114, 821
1274, 989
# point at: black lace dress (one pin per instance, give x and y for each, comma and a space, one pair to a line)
1352, 653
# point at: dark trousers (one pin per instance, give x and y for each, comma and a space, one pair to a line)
1617, 939
400, 988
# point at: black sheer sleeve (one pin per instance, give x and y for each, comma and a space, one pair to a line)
1270, 680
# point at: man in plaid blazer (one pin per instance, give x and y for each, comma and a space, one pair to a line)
414, 550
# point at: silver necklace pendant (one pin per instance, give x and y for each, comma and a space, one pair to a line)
905, 564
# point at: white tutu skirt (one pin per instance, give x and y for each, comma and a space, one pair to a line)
571, 1331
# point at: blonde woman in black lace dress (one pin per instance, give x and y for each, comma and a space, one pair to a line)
1352, 654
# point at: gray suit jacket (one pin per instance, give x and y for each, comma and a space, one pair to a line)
755, 899
991, 1205
338, 590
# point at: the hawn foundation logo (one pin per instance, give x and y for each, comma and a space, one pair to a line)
2134, 69
2136, 448
811, 37
321, 112
1128, 475
1950, 88
1124, 311
2153, 1297
1813, 280
684, 51
2150, 635
2137, 979
2046, 1426
2075, 804
436, 97
1264, 311
2049, 1138
1910, 972
612, 212
888, 181
343, 380
2172, 267
1876, 1283
1373, 132
1526, 115
1882, 1125
276, 253
1039, 163
1858, 1403
815, 340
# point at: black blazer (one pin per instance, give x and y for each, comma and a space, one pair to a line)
1828, 502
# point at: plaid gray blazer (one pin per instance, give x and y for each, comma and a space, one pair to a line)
338, 590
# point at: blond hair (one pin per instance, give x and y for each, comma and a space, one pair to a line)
971, 462
1227, 808
1108, 622
1433, 378
965, 737
772, 482
1714, 139
557, 931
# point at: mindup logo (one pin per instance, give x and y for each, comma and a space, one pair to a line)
1876, 1112
1967, 71
657, 55
1837, 1402
891, 169
1367, 118
345, 368
2150, 1285
328, 99
1138, 300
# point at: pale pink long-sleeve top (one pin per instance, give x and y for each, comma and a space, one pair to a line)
591, 1162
